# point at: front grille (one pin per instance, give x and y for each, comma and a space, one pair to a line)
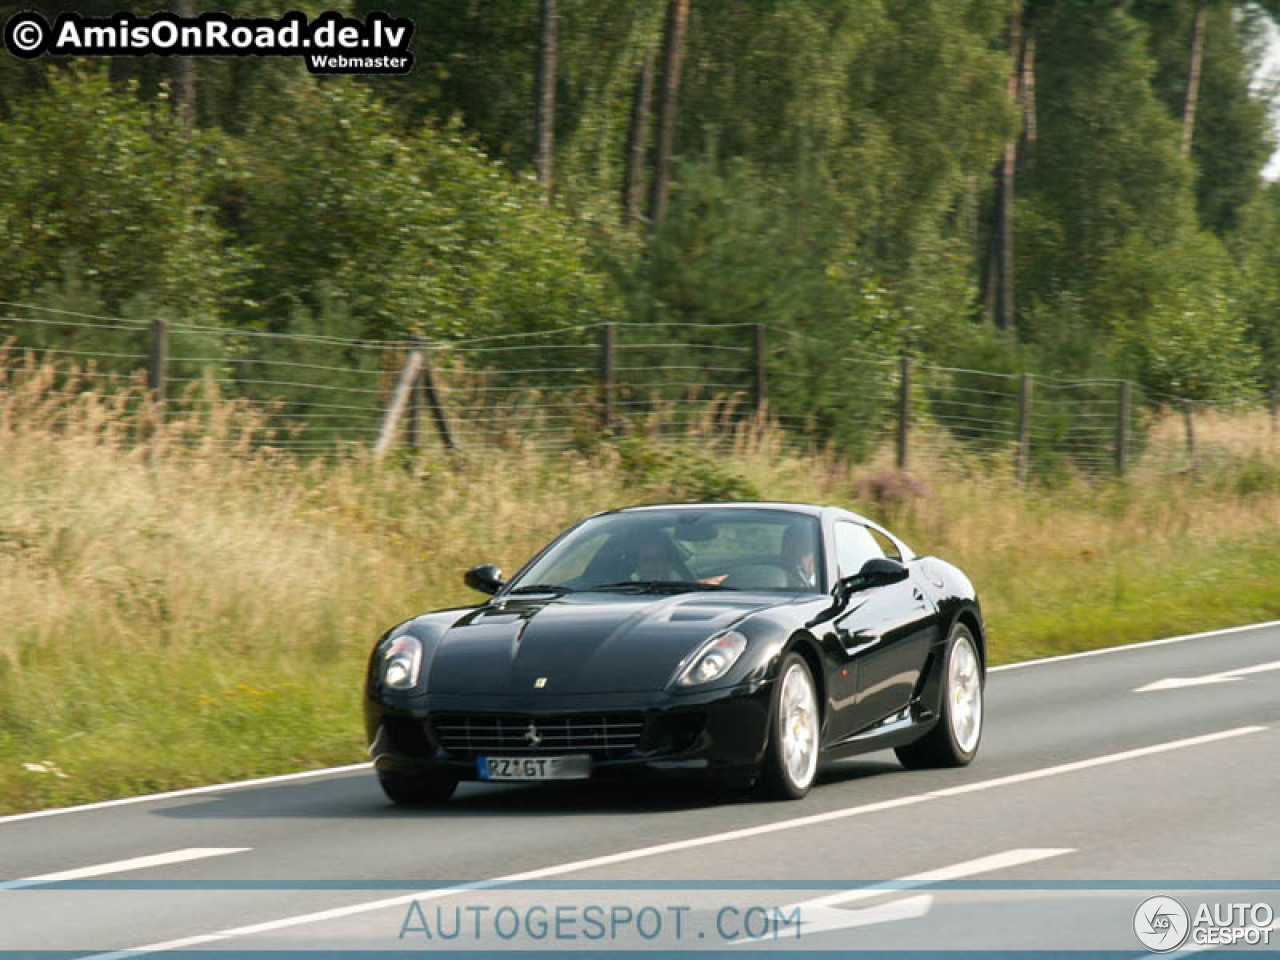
602, 735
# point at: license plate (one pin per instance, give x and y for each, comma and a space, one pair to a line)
573, 767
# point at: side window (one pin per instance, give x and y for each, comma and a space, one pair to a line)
854, 547
887, 546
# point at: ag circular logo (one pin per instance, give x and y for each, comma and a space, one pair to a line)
26, 35
1161, 924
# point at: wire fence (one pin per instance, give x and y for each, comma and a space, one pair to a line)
317, 394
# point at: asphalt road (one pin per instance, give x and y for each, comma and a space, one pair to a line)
1089, 795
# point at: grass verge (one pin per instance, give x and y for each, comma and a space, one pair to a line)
178, 610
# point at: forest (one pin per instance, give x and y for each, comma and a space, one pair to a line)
1070, 187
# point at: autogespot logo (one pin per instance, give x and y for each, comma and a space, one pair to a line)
1161, 924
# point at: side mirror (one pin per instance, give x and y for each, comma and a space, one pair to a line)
882, 570
876, 572
486, 578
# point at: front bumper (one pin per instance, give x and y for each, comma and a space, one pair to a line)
720, 734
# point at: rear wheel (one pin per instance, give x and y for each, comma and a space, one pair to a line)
954, 739
416, 789
791, 760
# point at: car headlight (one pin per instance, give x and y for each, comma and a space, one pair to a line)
713, 659
401, 662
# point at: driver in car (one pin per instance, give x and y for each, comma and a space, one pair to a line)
652, 557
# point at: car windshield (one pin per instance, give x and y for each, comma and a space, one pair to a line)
688, 548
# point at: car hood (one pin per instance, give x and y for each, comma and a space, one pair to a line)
601, 643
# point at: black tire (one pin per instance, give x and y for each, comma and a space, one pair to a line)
776, 779
940, 746
407, 789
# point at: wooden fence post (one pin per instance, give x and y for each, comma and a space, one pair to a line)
1023, 466
1275, 410
427, 386
904, 409
415, 411
760, 359
1122, 429
608, 345
158, 370
1191, 438
399, 399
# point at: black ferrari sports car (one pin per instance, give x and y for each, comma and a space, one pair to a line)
746, 642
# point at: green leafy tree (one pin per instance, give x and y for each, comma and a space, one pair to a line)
739, 249
1256, 246
104, 182
1107, 161
1232, 138
1174, 317
412, 233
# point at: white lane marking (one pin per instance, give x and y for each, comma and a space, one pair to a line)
824, 913
351, 767
165, 947
826, 919
121, 866
1144, 645
1094, 762
639, 853
185, 792
956, 871
1226, 676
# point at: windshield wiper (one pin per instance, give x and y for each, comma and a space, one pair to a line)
558, 589
660, 586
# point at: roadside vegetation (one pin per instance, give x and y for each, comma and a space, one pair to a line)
185, 606
1062, 188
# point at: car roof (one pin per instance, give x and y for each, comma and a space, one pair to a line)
807, 509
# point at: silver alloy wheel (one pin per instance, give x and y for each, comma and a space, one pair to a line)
964, 688
798, 723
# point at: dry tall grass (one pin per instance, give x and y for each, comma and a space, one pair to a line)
183, 604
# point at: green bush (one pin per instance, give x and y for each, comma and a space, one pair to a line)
411, 232
683, 474
106, 187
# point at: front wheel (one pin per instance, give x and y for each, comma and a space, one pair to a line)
791, 760
954, 739
407, 789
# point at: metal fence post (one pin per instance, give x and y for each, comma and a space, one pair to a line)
1023, 466
158, 370
904, 409
760, 358
1122, 429
608, 344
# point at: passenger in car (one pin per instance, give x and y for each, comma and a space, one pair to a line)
799, 557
